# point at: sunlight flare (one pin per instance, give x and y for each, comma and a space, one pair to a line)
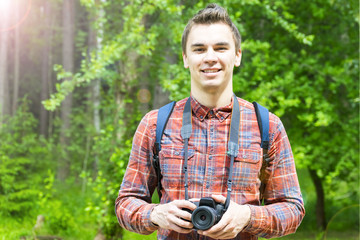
5, 5
13, 13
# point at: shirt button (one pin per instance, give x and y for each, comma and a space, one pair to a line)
177, 153
210, 157
244, 156
201, 117
222, 118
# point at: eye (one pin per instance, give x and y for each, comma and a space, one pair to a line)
198, 50
221, 49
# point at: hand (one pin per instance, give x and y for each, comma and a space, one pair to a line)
171, 216
232, 222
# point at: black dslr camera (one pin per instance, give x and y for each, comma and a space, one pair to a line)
207, 213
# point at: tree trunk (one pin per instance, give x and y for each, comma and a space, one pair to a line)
54, 24
4, 36
17, 60
98, 37
45, 66
320, 200
97, 120
161, 96
68, 64
94, 43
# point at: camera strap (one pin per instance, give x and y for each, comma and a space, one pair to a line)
233, 143
186, 130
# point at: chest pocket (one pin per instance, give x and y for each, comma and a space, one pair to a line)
171, 164
247, 166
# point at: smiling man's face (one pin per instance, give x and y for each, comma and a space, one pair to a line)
211, 56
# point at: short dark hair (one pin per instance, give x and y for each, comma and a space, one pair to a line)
213, 13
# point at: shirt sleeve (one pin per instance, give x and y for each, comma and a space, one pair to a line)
133, 204
284, 209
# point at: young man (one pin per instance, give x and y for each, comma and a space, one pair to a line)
211, 49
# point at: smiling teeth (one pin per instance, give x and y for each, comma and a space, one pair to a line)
210, 71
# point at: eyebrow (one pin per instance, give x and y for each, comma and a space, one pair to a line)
197, 45
222, 44
217, 44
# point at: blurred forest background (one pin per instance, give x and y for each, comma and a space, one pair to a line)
77, 76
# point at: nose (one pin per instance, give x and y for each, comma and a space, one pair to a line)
210, 56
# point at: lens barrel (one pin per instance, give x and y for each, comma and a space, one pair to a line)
204, 217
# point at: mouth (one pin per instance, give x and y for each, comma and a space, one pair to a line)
211, 70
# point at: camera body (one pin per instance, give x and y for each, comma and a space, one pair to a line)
207, 213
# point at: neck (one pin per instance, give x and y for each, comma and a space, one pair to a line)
213, 99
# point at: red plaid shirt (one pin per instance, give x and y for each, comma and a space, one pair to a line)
208, 166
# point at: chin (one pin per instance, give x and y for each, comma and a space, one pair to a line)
211, 88
213, 83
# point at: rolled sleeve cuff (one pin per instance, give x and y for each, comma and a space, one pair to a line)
148, 224
256, 218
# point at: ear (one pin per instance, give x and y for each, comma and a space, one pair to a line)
186, 65
238, 58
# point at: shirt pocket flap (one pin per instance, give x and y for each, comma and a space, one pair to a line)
175, 152
249, 155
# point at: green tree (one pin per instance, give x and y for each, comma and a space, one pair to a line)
23, 156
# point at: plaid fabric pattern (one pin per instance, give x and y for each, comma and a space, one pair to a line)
208, 166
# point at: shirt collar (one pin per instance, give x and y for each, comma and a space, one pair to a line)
201, 111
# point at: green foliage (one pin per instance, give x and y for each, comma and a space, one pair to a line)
113, 155
21, 158
28, 187
100, 207
58, 217
63, 208
13, 229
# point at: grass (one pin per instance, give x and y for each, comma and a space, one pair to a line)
12, 229
134, 236
64, 217
303, 235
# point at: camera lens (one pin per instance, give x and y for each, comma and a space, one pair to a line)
203, 217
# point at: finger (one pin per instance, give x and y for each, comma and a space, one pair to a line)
225, 233
182, 230
183, 223
219, 198
184, 215
220, 235
180, 223
194, 199
225, 229
221, 226
185, 204
179, 229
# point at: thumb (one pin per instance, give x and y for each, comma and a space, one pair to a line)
219, 198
